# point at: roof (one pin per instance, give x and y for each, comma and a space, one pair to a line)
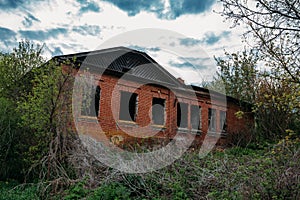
123, 60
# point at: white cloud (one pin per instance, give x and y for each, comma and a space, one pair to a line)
112, 21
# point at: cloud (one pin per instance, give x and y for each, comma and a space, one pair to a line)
210, 38
181, 64
7, 38
10, 4
90, 7
133, 7
14, 4
175, 8
144, 49
6, 34
189, 42
181, 7
93, 30
43, 35
191, 62
87, 6
29, 19
51, 50
57, 51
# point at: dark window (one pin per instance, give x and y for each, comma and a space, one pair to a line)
212, 119
91, 102
223, 121
158, 111
128, 106
196, 117
182, 115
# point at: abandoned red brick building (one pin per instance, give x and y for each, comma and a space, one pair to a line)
135, 97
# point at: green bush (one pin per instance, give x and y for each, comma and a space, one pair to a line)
11, 191
111, 191
11, 141
108, 191
77, 191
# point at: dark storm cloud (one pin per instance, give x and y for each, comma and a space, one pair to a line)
176, 9
43, 35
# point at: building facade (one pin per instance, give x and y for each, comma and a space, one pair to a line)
132, 97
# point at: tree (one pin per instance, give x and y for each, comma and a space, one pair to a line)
15, 81
275, 26
239, 74
14, 68
273, 32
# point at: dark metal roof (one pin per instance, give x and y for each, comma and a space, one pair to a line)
123, 60
120, 61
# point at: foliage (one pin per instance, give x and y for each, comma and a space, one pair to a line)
236, 173
274, 24
10, 135
274, 93
277, 108
77, 191
238, 72
113, 190
36, 117
15, 140
46, 110
12, 191
275, 102
14, 68
107, 191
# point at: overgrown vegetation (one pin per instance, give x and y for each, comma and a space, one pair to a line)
269, 171
40, 157
267, 72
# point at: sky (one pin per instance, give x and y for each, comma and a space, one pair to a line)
71, 26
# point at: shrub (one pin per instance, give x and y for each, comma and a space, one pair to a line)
11, 142
11, 191
111, 191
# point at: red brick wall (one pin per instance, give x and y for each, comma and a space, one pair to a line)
143, 128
